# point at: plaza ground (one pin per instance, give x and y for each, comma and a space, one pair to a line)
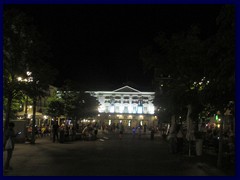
112, 157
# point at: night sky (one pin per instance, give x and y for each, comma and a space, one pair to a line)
98, 45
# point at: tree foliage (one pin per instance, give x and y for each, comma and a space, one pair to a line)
221, 61
200, 71
24, 50
77, 104
178, 63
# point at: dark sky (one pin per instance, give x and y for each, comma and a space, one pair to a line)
98, 45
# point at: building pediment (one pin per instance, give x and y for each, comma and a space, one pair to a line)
126, 89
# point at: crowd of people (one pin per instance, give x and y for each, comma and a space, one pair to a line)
176, 136
179, 143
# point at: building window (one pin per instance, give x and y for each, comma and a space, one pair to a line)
125, 109
130, 109
134, 109
107, 109
135, 97
140, 110
117, 109
117, 97
112, 109
145, 110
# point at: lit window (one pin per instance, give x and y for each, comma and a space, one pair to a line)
140, 110
112, 109
145, 110
125, 109
130, 109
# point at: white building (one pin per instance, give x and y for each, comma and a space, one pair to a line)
127, 105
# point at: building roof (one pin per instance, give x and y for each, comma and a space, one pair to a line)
126, 89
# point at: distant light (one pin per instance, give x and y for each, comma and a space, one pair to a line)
30, 79
19, 78
29, 73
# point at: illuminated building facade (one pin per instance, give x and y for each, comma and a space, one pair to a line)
127, 105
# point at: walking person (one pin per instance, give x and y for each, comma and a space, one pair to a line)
9, 143
121, 130
133, 132
144, 128
139, 131
152, 133
55, 128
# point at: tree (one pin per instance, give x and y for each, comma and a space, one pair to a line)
25, 55
77, 104
203, 70
16, 44
221, 61
89, 106
180, 57
221, 55
55, 107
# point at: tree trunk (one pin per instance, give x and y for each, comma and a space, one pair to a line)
8, 110
34, 120
220, 146
233, 122
190, 130
190, 135
173, 124
26, 106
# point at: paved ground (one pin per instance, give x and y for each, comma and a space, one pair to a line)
112, 157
